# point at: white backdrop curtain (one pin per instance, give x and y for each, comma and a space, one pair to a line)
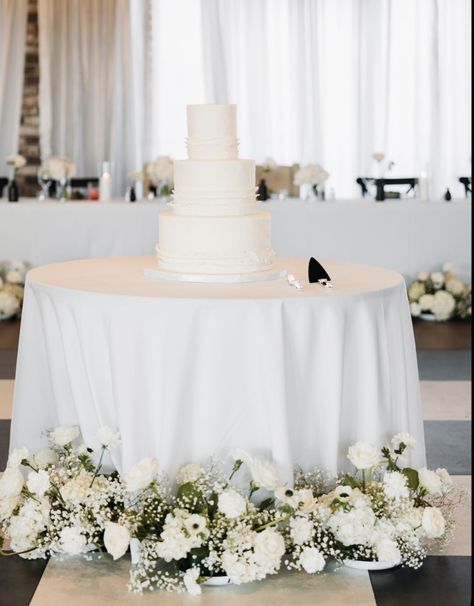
12, 58
333, 81
93, 65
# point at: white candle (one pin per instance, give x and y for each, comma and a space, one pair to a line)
423, 186
105, 182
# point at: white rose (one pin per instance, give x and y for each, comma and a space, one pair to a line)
45, 457
426, 302
422, 276
301, 529
64, 435
363, 455
387, 551
433, 522
11, 483
190, 581
263, 472
16, 457
38, 482
189, 473
269, 548
454, 286
403, 438
431, 481
444, 476
231, 503
116, 539
395, 485
72, 541
443, 305
7, 506
447, 267
438, 279
312, 560
141, 475
107, 437
14, 277
415, 309
9, 305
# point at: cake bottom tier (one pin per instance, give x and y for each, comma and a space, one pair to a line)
215, 245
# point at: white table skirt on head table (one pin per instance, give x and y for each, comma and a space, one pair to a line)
186, 371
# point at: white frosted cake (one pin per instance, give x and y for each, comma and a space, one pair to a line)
214, 227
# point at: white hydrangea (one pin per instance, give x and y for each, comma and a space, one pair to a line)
438, 279
455, 286
415, 291
72, 540
426, 302
38, 482
231, 503
443, 305
9, 305
301, 529
415, 309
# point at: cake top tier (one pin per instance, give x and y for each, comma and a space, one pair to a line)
212, 132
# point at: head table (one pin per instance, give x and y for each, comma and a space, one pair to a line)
186, 371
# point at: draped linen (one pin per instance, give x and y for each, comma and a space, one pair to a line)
187, 371
12, 59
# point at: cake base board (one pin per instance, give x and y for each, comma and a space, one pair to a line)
259, 276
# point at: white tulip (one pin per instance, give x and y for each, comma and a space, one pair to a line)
116, 539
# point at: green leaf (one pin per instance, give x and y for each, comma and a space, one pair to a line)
191, 498
266, 503
348, 480
412, 477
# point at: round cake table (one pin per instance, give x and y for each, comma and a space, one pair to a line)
186, 371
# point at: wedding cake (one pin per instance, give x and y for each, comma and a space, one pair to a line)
214, 227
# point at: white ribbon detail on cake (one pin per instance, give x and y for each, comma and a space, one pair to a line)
246, 260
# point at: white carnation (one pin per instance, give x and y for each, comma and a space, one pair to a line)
312, 560
189, 474
72, 541
269, 549
107, 437
190, 581
64, 435
433, 522
363, 455
301, 529
38, 482
45, 457
16, 457
11, 483
395, 485
403, 438
116, 539
430, 481
141, 475
231, 503
387, 551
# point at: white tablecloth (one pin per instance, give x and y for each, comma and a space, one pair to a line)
188, 370
404, 235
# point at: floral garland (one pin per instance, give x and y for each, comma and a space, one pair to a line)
12, 286
205, 526
440, 295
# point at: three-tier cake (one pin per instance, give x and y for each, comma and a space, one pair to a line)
214, 227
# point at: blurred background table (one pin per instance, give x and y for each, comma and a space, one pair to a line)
404, 235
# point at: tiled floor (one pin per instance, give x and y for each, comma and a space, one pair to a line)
444, 579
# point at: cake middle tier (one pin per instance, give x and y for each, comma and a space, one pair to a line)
214, 187
220, 245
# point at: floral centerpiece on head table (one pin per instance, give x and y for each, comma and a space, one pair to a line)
12, 286
160, 173
440, 295
312, 175
60, 169
16, 161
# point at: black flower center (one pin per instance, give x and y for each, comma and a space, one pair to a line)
288, 493
195, 525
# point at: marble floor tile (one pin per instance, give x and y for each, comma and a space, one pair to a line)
103, 582
446, 400
6, 398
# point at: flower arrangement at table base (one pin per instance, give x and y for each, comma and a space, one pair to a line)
440, 296
12, 286
203, 528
